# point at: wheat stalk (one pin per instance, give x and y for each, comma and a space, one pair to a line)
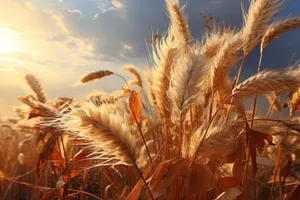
179, 28
134, 72
36, 87
108, 130
225, 58
95, 75
256, 21
278, 28
163, 57
266, 82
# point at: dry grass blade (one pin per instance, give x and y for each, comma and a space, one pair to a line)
95, 75
36, 87
278, 28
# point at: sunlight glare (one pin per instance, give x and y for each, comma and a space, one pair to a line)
7, 43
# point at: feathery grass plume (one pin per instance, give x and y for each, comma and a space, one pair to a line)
295, 101
108, 129
271, 97
150, 93
36, 87
134, 72
265, 82
225, 58
256, 21
38, 109
163, 56
186, 79
278, 28
95, 75
99, 97
220, 141
178, 31
213, 41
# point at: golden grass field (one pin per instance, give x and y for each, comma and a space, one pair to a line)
177, 130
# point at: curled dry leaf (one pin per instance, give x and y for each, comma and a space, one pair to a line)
126, 92
256, 140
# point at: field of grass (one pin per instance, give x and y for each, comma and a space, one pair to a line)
177, 130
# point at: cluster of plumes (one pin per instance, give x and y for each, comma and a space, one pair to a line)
192, 113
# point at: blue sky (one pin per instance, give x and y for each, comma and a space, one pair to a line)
59, 40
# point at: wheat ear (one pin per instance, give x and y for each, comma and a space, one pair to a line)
179, 28
163, 57
278, 28
106, 126
256, 21
134, 72
95, 75
266, 82
36, 87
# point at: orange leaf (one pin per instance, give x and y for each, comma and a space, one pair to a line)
126, 92
135, 107
229, 182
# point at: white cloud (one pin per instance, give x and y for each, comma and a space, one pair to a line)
117, 4
78, 13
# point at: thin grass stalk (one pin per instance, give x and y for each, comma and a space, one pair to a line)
245, 179
84, 193
180, 135
167, 149
84, 179
142, 177
209, 124
211, 106
136, 121
235, 82
191, 118
270, 108
279, 157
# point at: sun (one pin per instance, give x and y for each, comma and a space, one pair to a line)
7, 42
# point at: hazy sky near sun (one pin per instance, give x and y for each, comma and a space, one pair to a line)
59, 40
